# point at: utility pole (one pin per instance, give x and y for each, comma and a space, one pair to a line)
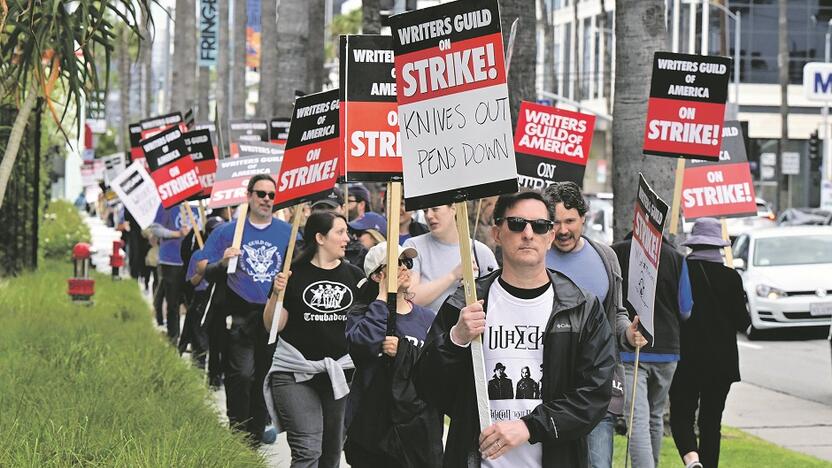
783, 64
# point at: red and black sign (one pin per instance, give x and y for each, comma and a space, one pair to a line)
177, 181
721, 188
198, 143
551, 145
686, 109
213, 130
153, 125
371, 146
136, 152
247, 130
310, 163
279, 130
233, 175
164, 147
258, 148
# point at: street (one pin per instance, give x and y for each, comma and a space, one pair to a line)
785, 395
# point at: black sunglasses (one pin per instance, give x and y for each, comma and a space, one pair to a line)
405, 262
516, 224
264, 194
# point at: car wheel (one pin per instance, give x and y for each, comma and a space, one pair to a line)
751, 333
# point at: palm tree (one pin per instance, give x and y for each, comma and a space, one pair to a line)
183, 89
146, 60
38, 42
222, 59
370, 17
268, 58
238, 62
521, 77
544, 27
292, 45
124, 60
315, 53
639, 32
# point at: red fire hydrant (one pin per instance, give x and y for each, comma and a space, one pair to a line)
117, 258
81, 286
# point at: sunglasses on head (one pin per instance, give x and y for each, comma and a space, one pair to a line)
263, 194
517, 224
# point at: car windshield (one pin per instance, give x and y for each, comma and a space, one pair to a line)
793, 250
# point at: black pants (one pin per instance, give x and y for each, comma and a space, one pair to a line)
247, 360
158, 297
193, 332
217, 335
359, 457
687, 392
173, 278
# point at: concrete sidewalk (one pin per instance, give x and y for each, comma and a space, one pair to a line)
102, 241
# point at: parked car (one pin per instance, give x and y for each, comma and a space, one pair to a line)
805, 217
787, 276
763, 219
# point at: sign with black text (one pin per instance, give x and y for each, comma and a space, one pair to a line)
279, 130
686, 109
233, 175
247, 130
113, 166
198, 144
208, 33
137, 192
177, 181
164, 147
454, 115
552, 145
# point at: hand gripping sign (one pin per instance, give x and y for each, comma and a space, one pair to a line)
454, 115
686, 109
137, 192
172, 169
723, 188
370, 143
552, 145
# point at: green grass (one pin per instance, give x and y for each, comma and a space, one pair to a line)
738, 449
98, 385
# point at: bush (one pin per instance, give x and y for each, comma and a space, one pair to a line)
98, 386
61, 229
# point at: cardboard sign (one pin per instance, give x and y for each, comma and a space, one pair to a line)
113, 166
552, 145
177, 181
247, 130
233, 175
648, 224
257, 148
686, 109
135, 130
279, 130
370, 147
310, 164
454, 114
198, 144
137, 192
212, 129
723, 188
208, 33
164, 147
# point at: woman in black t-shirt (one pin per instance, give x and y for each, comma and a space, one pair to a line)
308, 392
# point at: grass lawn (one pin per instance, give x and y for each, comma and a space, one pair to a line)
738, 450
98, 385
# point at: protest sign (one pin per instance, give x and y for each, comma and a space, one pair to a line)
164, 147
212, 129
137, 192
370, 145
259, 148
198, 144
177, 181
723, 188
454, 115
552, 145
686, 108
233, 174
279, 130
153, 125
247, 130
310, 163
645, 250
135, 130
113, 166
208, 33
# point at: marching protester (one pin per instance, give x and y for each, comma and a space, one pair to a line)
358, 201
594, 267
334, 201
307, 384
260, 257
369, 230
709, 361
657, 362
438, 269
382, 393
170, 228
577, 352
409, 226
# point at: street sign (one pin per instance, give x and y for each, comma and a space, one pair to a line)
817, 81
791, 163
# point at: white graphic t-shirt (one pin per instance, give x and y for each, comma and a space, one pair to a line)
513, 352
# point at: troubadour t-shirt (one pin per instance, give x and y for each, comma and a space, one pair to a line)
318, 301
513, 352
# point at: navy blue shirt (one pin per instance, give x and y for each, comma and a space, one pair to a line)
171, 219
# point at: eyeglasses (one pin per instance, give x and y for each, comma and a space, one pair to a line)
352, 200
517, 224
263, 194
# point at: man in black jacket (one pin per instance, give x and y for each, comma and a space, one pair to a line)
536, 317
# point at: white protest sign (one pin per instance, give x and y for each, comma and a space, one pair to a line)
138, 193
113, 166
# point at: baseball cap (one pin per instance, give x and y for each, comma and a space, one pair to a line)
360, 192
370, 220
332, 201
377, 256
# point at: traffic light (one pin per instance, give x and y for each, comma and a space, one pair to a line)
814, 147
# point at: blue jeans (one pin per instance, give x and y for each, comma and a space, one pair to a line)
653, 385
599, 442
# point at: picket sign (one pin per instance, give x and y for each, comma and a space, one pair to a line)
238, 237
287, 266
394, 201
677, 197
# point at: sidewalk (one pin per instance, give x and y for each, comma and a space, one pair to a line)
102, 242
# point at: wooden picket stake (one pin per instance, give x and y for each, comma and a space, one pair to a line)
394, 200
238, 236
729, 253
194, 226
477, 219
202, 216
469, 285
287, 266
632, 409
347, 201
677, 197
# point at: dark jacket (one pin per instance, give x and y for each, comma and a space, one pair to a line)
709, 336
577, 372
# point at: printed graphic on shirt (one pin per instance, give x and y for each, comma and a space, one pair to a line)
260, 256
326, 297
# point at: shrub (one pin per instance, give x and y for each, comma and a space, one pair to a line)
62, 227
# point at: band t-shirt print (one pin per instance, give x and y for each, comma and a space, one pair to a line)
318, 301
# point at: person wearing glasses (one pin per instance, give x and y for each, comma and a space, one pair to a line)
382, 364
259, 259
594, 267
438, 268
527, 316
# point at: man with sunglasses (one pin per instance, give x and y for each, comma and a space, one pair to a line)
595, 268
259, 259
536, 319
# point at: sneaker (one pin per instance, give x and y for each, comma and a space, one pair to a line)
215, 382
694, 464
270, 435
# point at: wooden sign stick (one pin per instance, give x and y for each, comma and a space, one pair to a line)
632, 407
238, 236
394, 201
677, 197
195, 227
477, 359
729, 253
477, 219
202, 216
287, 265
347, 202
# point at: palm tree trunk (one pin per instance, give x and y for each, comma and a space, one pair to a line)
238, 62
292, 44
268, 58
370, 17
521, 76
184, 49
640, 31
544, 26
15, 137
315, 54
204, 90
147, 67
222, 60
124, 87
783, 63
